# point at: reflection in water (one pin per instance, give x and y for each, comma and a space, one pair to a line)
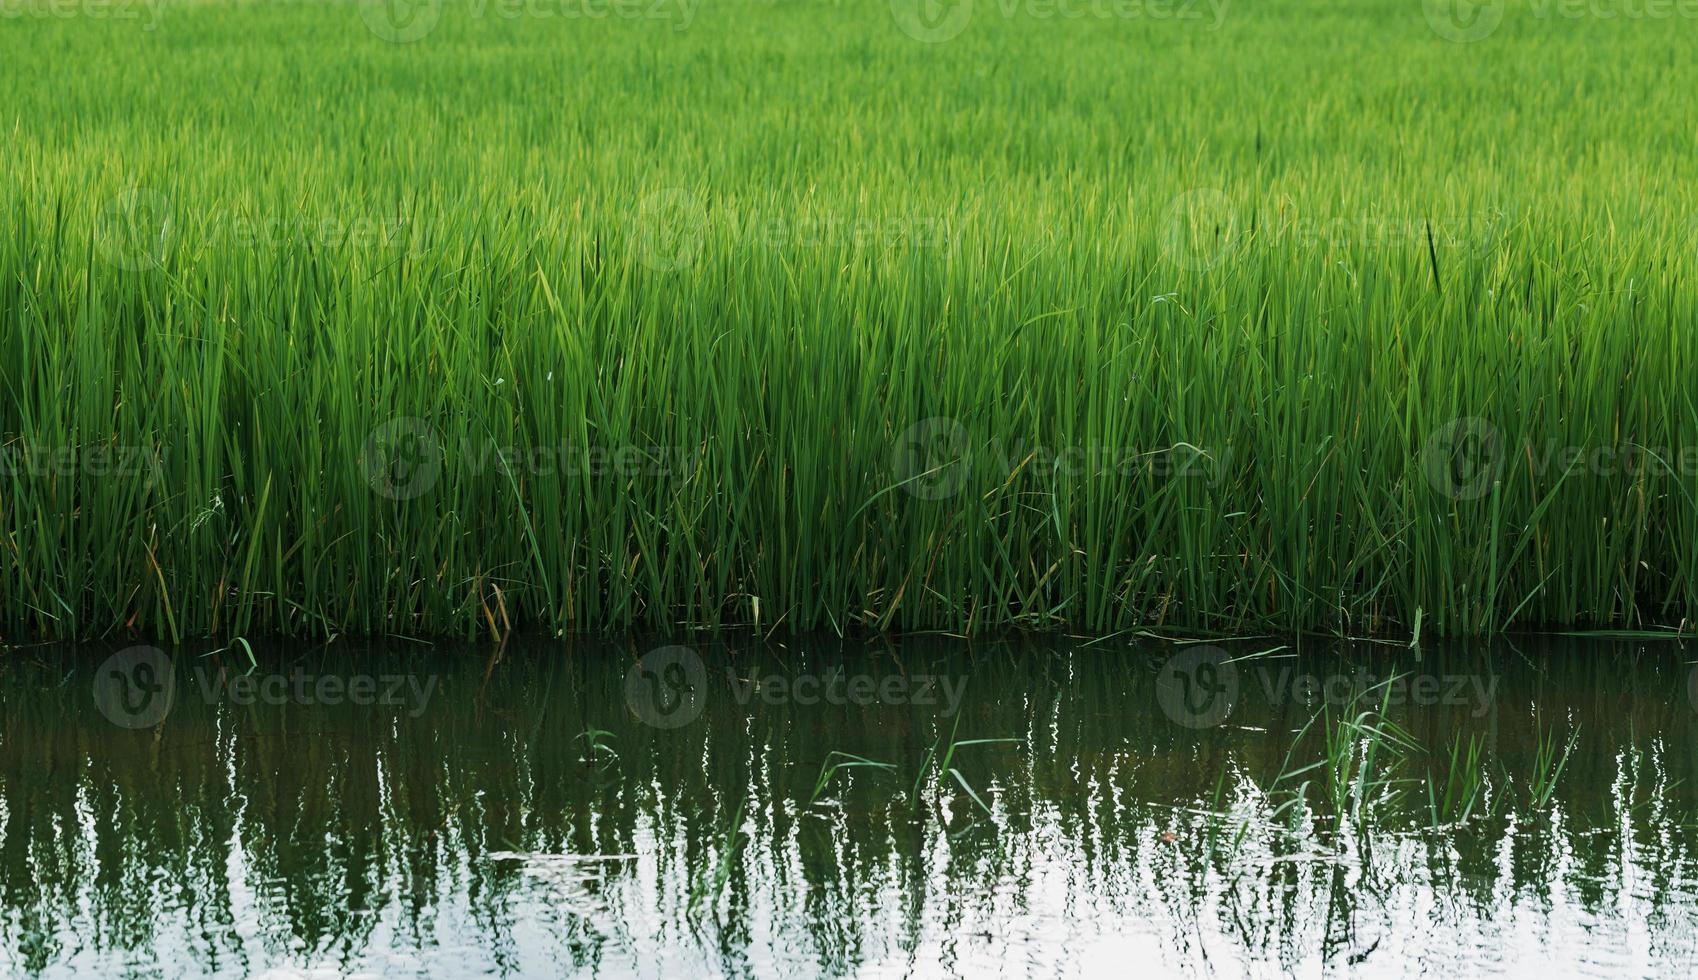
577, 808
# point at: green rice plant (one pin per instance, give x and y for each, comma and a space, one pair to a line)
1460, 795
597, 751
1362, 752
835, 761
1550, 757
939, 759
774, 315
1220, 819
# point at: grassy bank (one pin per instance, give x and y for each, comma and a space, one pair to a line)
1264, 316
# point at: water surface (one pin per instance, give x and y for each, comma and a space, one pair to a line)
649, 810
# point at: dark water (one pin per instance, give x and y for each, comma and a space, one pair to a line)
628, 810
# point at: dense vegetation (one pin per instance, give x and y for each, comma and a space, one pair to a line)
1281, 315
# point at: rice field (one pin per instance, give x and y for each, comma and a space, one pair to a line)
1193, 315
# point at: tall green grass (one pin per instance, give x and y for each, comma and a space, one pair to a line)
1311, 319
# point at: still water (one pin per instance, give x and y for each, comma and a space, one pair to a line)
1019, 808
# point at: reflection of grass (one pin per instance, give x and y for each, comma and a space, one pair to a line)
708, 886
